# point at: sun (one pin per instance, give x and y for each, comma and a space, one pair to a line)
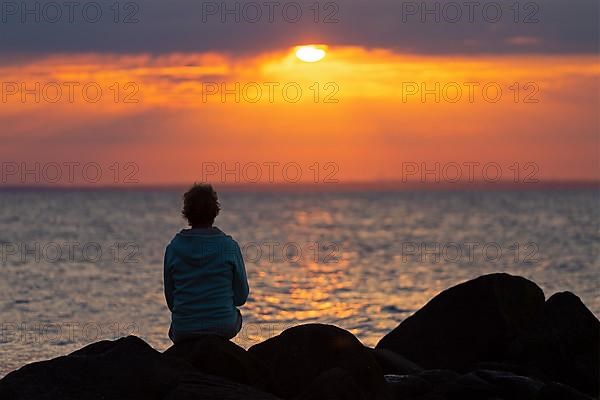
311, 52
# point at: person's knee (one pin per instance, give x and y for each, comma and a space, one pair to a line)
239, 323
235, 329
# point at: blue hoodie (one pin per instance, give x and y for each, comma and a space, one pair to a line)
205, 279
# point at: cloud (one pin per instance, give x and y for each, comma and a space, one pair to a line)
424, 27
172, 130
523, 41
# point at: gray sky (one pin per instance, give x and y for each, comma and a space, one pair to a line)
161, 26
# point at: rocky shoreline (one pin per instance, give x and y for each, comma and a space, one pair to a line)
494, 337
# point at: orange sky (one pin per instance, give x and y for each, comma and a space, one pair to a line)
360, 116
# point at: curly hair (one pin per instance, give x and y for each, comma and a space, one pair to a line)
200, 205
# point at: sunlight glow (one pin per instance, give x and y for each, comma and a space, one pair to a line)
311, 53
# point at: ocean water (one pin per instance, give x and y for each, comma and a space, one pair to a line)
81, 266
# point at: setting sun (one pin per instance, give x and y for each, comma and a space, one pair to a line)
311, 53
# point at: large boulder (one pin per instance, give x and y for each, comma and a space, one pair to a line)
439, 377
300, 355
510, 386
470, 387
334, 384
501, 385
514, 368
476, 385
209, 387
564, 344
127, 368
124, 369
392, 363
407, 386
215, 355
472, 322
557, 391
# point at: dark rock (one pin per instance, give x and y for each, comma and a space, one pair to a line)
470, 387
430, 396
299, 355
494, 336
394, 364
199, 386
124, 369
407, 386
472, 322
475, 385
557, 391
495, 385
511, 386
214, 355
127, 368
564, 344
439, 377
334, 384
515, 369
427, 396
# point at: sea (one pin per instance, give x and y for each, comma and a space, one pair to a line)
83, 265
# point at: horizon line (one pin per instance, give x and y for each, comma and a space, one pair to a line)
386, 186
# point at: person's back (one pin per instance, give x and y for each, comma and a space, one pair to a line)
204, 273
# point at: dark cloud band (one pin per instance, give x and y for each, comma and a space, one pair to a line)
426, 27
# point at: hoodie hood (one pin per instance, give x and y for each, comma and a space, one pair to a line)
199, 246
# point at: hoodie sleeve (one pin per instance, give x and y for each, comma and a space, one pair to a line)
240, 280
168, 279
